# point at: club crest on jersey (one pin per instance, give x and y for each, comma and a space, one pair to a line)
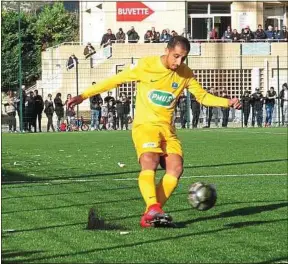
175, 85
161, 98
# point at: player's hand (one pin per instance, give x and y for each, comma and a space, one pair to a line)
74, 101
235, 103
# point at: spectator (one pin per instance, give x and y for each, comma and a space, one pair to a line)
227, 34
10, 108
112, 113
277, 33
283, 96
133, 36
72, 62
257, 107
157, 40
39, 106
148, 38
246, 106
108, 39
215, 110
174, 33
259, 33
89, 50
235, 36
213, 34
95, 107
49, 111
30, 111
225, 111
104, 115
182, 105
284, 34
59, 109
208, 112
195, 106
246, 34
270, 102
69, 112
23, 110
108, 98
154, 34
270, 33
120, 36
122, 110
165, 37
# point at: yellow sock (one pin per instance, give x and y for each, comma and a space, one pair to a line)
165, 188
147, 187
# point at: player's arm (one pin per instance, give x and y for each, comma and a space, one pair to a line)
128, 74
207, 99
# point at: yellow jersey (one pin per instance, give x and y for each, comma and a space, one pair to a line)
158, 89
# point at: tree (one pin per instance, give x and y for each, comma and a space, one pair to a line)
55, 25
30, 51
50, 26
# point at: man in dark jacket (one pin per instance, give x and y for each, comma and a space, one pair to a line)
95, 107
257, 107
30, 111
123, 110
182, 105
39, 106
120, 36
195, 106
269, 102
225, 111
72, 62
259, 33
246, 106
133, 36
108, 39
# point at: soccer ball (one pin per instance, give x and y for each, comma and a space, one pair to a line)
202, 196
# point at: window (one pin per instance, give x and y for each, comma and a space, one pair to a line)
220, 8
197, 8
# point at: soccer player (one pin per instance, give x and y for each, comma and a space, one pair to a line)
160, 81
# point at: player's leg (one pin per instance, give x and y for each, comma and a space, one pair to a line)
172, 161
173, 164
147, 141
149, 162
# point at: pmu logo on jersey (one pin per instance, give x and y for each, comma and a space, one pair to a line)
161, 98
175, 85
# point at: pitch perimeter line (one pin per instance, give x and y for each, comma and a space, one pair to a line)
136, 179
247, 132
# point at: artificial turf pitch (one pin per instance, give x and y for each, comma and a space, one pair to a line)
51, 180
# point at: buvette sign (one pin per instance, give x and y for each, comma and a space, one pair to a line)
132, 11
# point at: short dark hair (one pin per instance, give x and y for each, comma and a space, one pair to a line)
179, 40
93, 82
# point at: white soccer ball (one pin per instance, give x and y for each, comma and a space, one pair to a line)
202, 196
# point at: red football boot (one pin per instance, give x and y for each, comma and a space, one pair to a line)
155, 217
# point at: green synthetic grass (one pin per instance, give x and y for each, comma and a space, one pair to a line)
51, 180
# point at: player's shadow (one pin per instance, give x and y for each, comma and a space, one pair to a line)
237, 212
8, 256
275, 260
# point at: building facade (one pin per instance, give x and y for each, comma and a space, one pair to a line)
197, 18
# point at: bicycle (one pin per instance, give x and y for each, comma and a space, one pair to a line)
77, 124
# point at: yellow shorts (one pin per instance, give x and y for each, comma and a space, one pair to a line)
156, 138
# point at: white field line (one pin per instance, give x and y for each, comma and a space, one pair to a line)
136, 179
244, 131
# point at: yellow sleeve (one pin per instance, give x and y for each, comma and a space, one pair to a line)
205, 98
128, 74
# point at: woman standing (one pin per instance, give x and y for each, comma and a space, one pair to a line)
59, 109
49, 111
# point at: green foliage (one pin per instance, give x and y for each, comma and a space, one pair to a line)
55, 25
51, 26
10, 50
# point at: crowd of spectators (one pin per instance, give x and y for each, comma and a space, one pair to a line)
115, 114
247, 34
154, 36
